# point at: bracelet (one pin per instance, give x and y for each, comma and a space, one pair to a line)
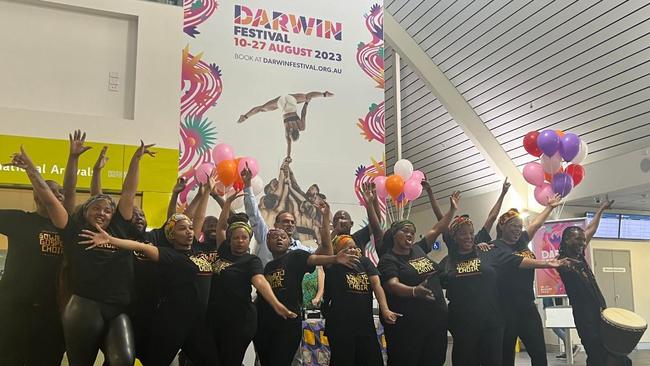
413, 290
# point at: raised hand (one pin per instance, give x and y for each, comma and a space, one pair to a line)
454, 200
505, 187
324, 208
180, 185
242, 118
101, 159
554, 201
95, 238
246, 176
21, 160
77, 139
144, 149
347, 258
390, 317
425, 183
327, 94
606, 205
234, 196
368, 192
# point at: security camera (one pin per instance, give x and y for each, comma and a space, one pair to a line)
597, 200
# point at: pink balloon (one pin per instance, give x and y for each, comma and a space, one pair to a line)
203, 171
534, 174
417, 175
380, 186
252, 165
543, 193
222, 152
412, 189
551, 164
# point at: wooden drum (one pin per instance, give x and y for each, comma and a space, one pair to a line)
621, 330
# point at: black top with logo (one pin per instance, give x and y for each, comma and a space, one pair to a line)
230, 291
33, 258
285, 277
472, 288
186, 276
516, 285
584, 294
103, 273
350, 298
412, 270
147, 274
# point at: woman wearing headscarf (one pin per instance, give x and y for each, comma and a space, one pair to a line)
412, 284
232, 317
584, 294
102, 276
475, 317
516, 295
179, 319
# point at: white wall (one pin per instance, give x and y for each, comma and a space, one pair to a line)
56, 63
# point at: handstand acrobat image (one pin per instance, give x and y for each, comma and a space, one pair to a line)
293, 123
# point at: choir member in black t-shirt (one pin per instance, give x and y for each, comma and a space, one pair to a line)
584, 294
277, 339
232, 317
101, 278
516, 295
349, 322
412, 283
179, 319
30, 322
470, 277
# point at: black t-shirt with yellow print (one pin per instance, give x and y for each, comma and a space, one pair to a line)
472, 288
350, 298
411, 270
35, 250
285, 277
516, 285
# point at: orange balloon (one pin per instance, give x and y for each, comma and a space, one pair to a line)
559, 133
394, 185
227, 172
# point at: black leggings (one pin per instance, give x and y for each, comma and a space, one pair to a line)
89, 325
523, 322
30, 334
351, 350
277, 347
474, 347
233, 334
407, 344
174, 329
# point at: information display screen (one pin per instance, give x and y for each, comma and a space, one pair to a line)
635, 227
608, 227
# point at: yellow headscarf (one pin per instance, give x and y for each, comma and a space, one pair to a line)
340, 241
458, 222
171, 223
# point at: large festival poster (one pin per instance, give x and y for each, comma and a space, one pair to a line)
297, 86
546, 245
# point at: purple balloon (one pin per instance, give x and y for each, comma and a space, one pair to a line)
569, 146
562, 183
549, 142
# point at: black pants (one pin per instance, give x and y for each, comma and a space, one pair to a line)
175, 328
30, 334
233, 334
474, 347
89, 325
409, 345
351, 350
524, 322
277, 347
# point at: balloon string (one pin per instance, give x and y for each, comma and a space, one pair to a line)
390, 211
408, 213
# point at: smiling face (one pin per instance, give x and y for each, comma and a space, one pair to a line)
99, 213
404, 237
464, 238
511, 230
278, 242
183, 234
210, 228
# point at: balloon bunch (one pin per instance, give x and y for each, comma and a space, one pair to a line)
229, 170
403, 186
551, 176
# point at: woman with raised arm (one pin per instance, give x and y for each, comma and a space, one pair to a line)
179, 319
516, 295
412, 284
102, 276
584, 294
470, 277
232, 317
277, 338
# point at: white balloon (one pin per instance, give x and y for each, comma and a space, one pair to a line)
257, 184
404, 169
551, 164
582, 153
